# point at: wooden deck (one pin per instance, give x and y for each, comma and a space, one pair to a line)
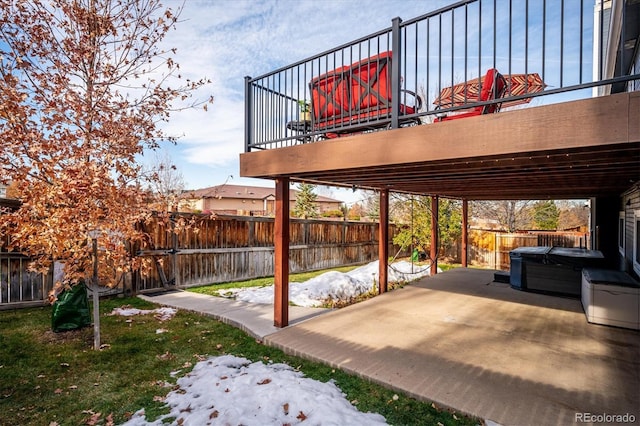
579, 149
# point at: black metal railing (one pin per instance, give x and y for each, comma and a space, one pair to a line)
435, 65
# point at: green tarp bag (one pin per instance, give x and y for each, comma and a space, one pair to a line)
415, 256
71, 310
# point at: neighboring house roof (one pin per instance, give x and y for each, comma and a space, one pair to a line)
244, 192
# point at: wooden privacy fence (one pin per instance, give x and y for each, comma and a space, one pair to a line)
20, 287
491, 249
231, 248
220, 249
213, 250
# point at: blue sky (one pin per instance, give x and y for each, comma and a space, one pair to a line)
226, 40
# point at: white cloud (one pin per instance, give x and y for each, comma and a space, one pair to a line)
213, 137
228, 40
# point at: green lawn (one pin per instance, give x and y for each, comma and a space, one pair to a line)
50, 377
446, 266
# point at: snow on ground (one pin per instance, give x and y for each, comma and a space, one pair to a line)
161, 314
232, 390
332, 285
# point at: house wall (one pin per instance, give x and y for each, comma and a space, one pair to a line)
191, 204
251, 205
325, 207
635, 85
629, 204
233, 204
605, 219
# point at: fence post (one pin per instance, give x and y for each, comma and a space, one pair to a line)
305, 232
252, 233
174, 252
495, 251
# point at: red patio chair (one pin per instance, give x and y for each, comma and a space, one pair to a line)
358, 96
330, 98
493, 87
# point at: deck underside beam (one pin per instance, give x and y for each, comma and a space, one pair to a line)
573, 149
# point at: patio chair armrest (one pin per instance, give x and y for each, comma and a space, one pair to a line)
418, 99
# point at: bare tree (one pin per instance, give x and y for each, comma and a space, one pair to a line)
165, 182
510, 214
574, 214
371, 205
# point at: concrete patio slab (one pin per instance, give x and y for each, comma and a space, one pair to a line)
255, 319
482, 348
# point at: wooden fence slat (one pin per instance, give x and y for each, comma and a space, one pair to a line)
243, 249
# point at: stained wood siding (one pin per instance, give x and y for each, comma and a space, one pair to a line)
630, 203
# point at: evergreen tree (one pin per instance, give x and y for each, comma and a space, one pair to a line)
414, 214
546, 215
449, 222
305, 206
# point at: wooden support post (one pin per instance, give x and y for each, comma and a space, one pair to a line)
383, 241
434, 235
465, 233
281, 254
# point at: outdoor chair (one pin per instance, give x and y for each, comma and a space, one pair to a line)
357, 98
493, 87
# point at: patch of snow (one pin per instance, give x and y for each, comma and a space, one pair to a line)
161, 314
233, 390
334, 285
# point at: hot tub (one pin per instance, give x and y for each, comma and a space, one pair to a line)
552, 270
